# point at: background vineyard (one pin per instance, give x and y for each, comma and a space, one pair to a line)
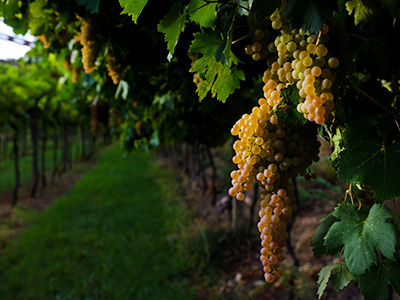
181, 81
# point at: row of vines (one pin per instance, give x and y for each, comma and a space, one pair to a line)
268, 76
38, 119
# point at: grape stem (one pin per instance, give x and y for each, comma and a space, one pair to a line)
194, 10
348, 192
239, 39
359, 36
373, 100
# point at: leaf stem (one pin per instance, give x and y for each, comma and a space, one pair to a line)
211, 2
341, 253
373, 100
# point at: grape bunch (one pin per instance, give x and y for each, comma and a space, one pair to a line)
270, 154
114, 68
90, 46
297, 57
44, 40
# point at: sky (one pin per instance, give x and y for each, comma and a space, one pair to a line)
11, 50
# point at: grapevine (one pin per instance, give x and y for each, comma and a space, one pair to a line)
94, 118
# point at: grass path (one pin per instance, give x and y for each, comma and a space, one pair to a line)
110, 237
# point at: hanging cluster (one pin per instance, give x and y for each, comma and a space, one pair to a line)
272, 154
90, 45
114, 68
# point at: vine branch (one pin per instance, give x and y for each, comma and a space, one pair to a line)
211, 2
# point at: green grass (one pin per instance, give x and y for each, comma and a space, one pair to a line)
114, 235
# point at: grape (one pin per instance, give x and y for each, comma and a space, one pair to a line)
333, 62
256, 47
248, 49
321, 50
259, 34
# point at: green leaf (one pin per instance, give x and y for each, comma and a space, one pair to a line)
202, 13
287, 111
133, 8
335, 140
367, 159
122, 89
317, 240
228, 13
323, 278
308, 14
361, 12
172, 25
341, 276
227, 82
339, 279
218, 78
264, 9
360, 236
374, 283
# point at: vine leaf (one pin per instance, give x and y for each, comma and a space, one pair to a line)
308, 14
341, 276
287, 110
133, 8
216, 77
367, 159
361, 12
374, 283
317, 240
361, 236
264, 9
339, 279
172, 25
323, 278
202, 13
